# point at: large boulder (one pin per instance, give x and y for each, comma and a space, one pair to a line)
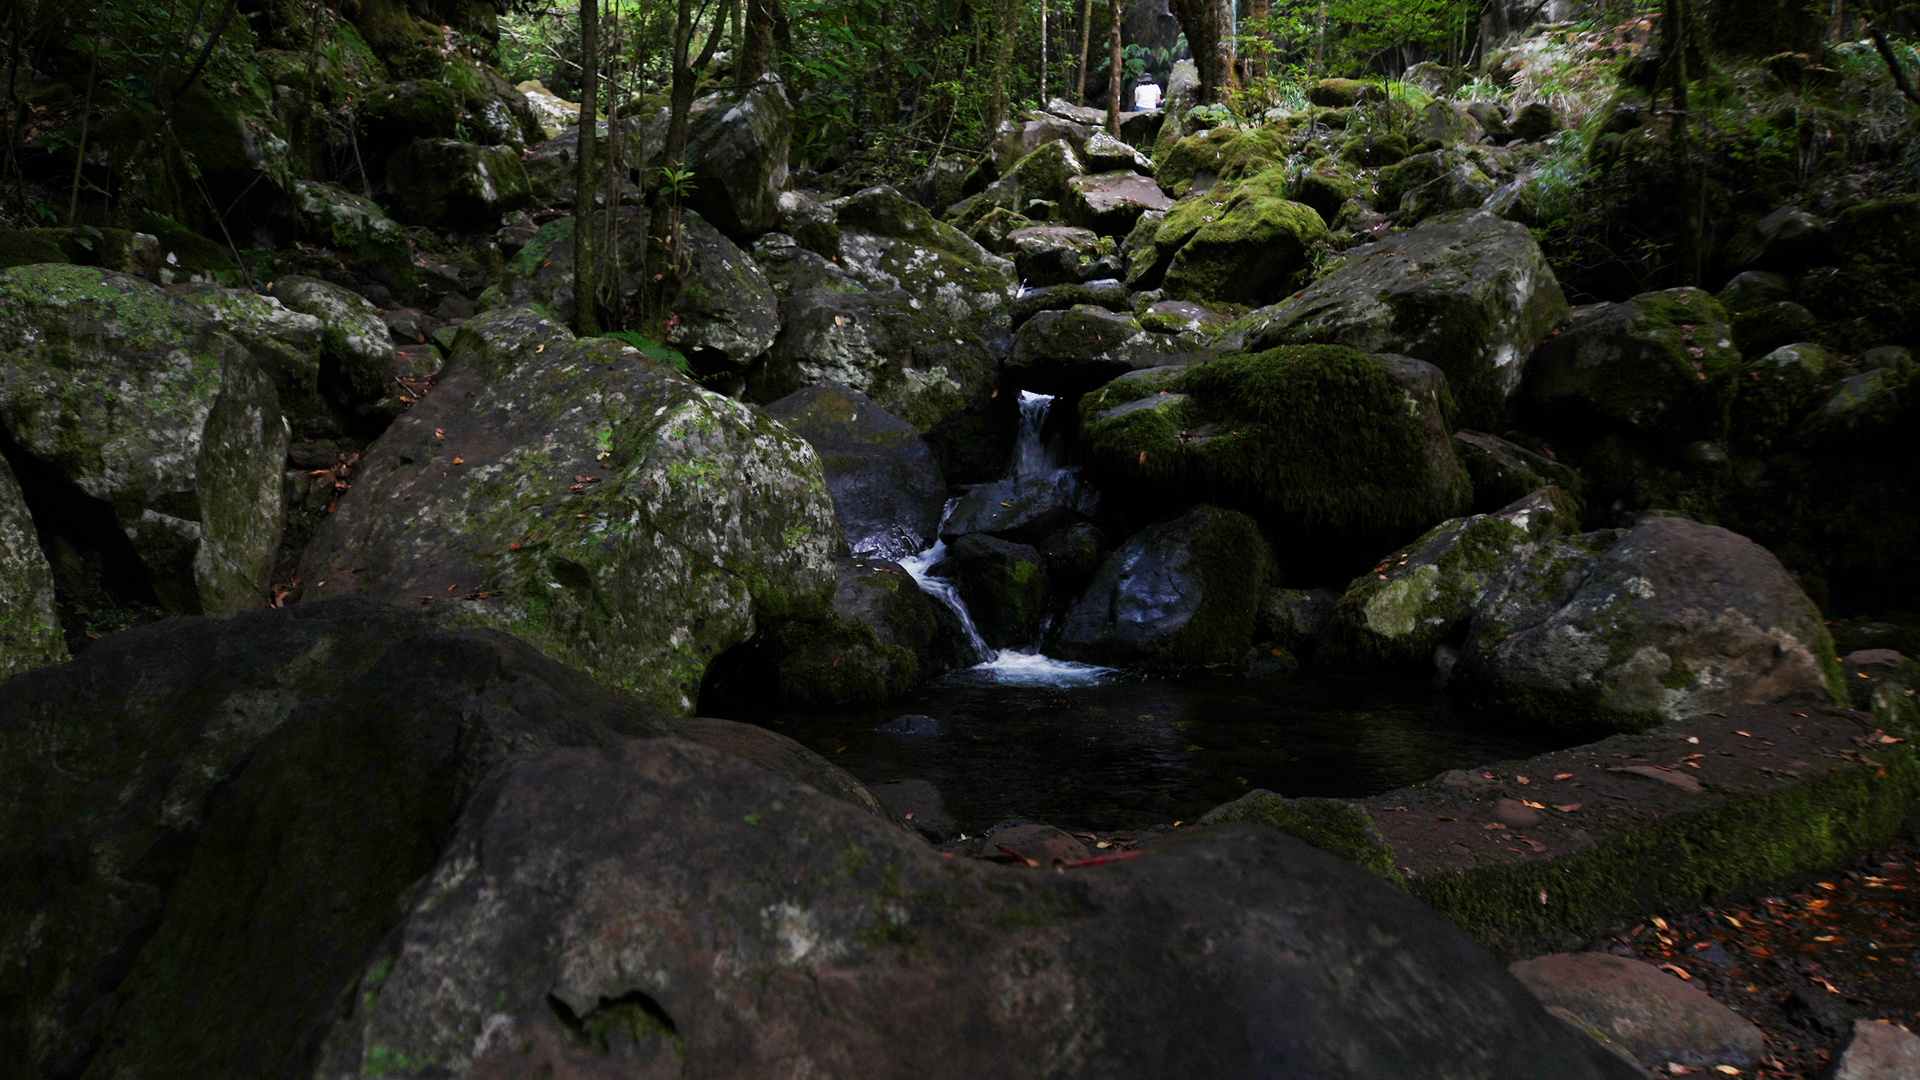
630, 927
1028, 507
394, 114
722, 310
1468, 293
1004, 585
1181, 594
1046, 255
889, 242
355, 229
1110, 203
287, 343
887, 491
541, 274
589, 499
1658, 1019
1324, 443
930, 370
737, 150
1423, 595
206, 811
1661, 365
1082, 348
1241, 243
453, 184
356, 353
145, 405
30, 634
1670, 619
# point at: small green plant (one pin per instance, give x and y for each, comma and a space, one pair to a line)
674, 181
654, 349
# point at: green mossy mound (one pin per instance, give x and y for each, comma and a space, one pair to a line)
1224, 154
1243, 243
187, 255
28, 247
1320, 438
1333, 825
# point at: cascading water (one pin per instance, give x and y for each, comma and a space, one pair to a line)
1021, 667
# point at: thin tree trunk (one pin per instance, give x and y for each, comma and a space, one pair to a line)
1676, 16
1892, 61
681, 92
15, 107
1003, 65
607, 297
206, 52
586, 285
756, 50
1320, 38
1117, 77
1043, 52
80, 155
1086, 41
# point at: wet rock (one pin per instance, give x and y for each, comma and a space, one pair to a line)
1503, 471
1422, 596
1073, 556
454, 184
1661, 365
601, 504
356, 358
791, 269
888, 242
1468, 293
1024, 508
932, 371
540, 878
342, 734
727, 313
737, 150
143, 404
909, 724
1038, 845
287, 343
1371, 459
1057, 255
1673, 619
887, 492
1107, 293
1779, 391
1295, 619
1534, 121
1653, 1015
1004, 585
1878, 1050
917, 802
1333, 825
1180, 594
1071, 352
30, 634
1760, 330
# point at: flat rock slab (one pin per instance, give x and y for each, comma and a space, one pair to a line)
1657, 1017
1880, 1050
1635, 823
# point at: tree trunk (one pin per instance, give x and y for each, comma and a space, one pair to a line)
586, 218
756, 48
1677, 20
1002, 65
1208, 25
1086, 41
1043, 52
1118, 76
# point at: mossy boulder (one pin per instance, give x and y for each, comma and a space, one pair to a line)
186, 255
1043, 174
1005, 586
593, 501
1341, 93
1464, 187
356, 353
1320, 441
447, 183
1760, 330
30, 634
541, 274
1180, 594
26, 247
393, 115
1874, 298
934, 372
889, 242
1327, 190
1046, 255
1446, 123
409, 47
1109, 294
145, 405
1423, 595
1084, 347
1661, 365
1370, 151
1110, 203
1468, 293
723, 312
1671, 619
1241, 243
737, 144
355, 229
1397, 180
85, 245
1332, 825
287, 343
1779, 390
1222, 154
1504, 471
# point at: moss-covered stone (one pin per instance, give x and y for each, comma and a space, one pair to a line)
29, 626
27, 247
1223, 154
1326, 190
1341, 93
456, 184
1778, 391
1423, 595
1241, 243
1005, 587
393, 115
1334, 825
185, 255
1370, 151
1320, 439
356, 351
889, 242
145, 405
1044, 173
408, 46
589, 500
1761, 329
288, 344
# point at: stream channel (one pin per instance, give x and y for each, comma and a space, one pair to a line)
1030, 737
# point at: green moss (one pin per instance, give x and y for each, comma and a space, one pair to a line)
1332, 825
1678, 860
1228, 154
1244, 243
29, 247
193, 253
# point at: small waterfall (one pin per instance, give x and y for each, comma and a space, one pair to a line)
1011, 666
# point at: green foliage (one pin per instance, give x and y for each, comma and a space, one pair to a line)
653, 349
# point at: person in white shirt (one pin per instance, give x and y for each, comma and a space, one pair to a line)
1146, 96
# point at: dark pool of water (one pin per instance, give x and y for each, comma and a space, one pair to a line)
1137, 752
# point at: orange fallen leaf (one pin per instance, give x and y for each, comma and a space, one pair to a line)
1535, 805
1563, 776
1677, 970
1569, 808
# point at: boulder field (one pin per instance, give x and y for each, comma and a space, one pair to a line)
356, 603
